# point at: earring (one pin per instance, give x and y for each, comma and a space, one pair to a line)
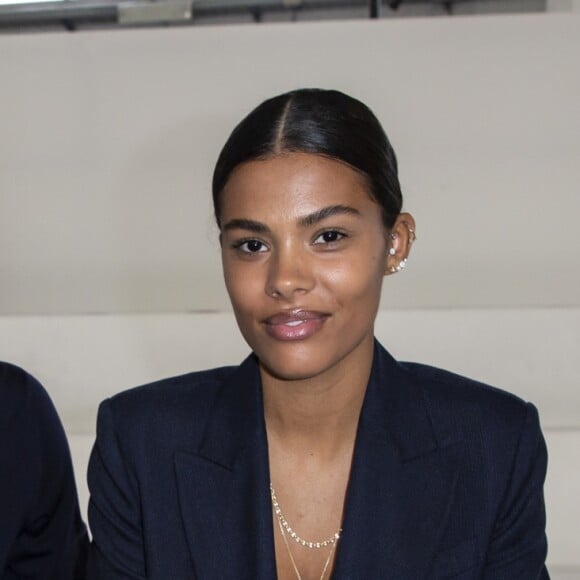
402, 265
392, 250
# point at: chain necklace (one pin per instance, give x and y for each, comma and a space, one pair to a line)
292, 557
284, 523
285, 528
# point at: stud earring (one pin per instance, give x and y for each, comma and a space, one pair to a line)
402, 265
392, 250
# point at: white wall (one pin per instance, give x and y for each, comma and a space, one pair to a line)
107, 143
109, 139
83, 359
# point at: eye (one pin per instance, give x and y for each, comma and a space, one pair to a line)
329, 237
251, 246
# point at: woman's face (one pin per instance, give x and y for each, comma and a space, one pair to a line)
304, 253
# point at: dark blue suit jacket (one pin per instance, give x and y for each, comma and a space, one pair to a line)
446, 481
42, 536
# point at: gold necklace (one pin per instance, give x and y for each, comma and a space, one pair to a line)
283, 522
292, 557
285, 527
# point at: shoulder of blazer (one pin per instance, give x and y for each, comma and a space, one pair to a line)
13, 392
483, 414
21, 395
170, 413
171, 389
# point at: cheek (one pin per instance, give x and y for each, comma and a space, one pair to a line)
357, 279
243, 286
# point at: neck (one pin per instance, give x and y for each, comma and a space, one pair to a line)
319, 412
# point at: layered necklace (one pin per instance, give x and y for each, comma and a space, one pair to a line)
286, 530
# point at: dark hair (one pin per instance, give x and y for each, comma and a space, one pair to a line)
321, 122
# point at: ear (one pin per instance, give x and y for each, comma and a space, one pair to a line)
399, 242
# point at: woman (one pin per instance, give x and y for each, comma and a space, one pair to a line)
319, 455
42, 536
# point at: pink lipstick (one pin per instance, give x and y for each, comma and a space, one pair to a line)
295, 324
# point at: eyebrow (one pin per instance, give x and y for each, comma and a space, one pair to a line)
305, 221
326, 212
245, 224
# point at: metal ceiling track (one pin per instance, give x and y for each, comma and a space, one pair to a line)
77, 14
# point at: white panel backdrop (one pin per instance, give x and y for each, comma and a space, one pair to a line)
109, 139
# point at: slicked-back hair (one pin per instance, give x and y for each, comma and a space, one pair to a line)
320, 122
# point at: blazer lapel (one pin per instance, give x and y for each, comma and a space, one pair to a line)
223, 488
401, 487
402, 482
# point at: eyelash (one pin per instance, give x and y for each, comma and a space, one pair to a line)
340, 236
239, 245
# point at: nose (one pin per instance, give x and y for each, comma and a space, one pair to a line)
289, 273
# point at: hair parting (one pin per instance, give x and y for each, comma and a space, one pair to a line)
320, 122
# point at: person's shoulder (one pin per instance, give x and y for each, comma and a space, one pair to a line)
477, 406
167, 403
462, 389
20, 393
172, 390
29, 418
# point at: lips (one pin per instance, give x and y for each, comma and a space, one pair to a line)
295, 324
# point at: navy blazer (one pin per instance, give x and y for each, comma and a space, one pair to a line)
42, 536
446, 481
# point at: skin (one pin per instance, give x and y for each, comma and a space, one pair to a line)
300, 233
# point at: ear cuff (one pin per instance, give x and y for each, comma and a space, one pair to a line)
401, 266
403, 263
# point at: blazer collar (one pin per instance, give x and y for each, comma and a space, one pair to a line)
223, 487
401, 485
237, 419
402, 481
394, 409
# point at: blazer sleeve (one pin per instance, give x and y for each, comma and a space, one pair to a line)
518, 547
51, 541
117, 551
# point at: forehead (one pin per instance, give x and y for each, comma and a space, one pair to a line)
291, 185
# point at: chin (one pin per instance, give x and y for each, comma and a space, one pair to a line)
293, 371
298, 361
